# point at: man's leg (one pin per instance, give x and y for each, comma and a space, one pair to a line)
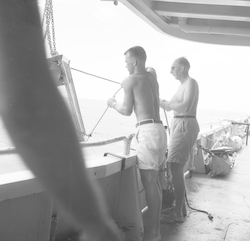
179, 189
153, 193
158, 180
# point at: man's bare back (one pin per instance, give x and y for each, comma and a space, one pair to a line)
145, 90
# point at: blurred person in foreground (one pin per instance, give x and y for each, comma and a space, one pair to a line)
141, 94
183, 133
40, 125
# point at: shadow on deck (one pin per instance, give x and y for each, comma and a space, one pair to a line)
227, 198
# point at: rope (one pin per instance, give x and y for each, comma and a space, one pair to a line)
167, 121
90, 134
96, 76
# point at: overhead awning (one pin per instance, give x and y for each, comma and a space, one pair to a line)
224, 22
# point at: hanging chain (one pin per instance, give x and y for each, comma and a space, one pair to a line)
48, 16
44, 16
53, 28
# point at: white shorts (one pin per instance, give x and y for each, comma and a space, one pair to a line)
151, 145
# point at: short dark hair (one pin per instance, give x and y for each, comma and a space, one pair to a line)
138, 52
184, 62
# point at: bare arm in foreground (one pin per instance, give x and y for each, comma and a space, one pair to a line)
39, 124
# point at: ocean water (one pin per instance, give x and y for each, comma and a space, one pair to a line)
112, 124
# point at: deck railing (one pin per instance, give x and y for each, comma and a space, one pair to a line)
127, 140
127, 143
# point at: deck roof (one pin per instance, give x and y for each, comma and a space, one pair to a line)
225, 22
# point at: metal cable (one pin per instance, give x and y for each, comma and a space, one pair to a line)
96, 76
90, 134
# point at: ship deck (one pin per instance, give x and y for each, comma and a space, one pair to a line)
227, 198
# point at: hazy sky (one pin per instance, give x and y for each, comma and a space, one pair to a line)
94, 35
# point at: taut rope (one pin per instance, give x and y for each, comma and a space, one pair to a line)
167, 122
90, 134
96, 76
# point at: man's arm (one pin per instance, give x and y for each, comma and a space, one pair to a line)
126, 108
39, 123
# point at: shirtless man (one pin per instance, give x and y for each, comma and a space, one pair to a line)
184, 132
141, 94
40, 126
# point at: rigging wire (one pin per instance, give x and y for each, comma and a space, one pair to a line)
96, 76
90, 134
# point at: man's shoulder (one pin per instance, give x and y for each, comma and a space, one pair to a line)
129, 81
133, 78
139, 75
192, 80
